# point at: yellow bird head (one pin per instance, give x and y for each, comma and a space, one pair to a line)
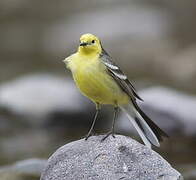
89, 44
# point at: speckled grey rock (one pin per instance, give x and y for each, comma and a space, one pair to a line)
114, 159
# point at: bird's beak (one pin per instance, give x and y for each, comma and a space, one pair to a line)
83, 44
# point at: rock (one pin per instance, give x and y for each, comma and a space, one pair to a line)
22, 170
188, 170
115, 158
173, 111
38, 96
30, 166
27, 144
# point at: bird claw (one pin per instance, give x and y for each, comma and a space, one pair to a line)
107, 135
87, 136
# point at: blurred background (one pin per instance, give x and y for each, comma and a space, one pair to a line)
153, 41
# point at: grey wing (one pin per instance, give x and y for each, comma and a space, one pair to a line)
119, 76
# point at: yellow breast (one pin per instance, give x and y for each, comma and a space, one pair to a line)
94, 82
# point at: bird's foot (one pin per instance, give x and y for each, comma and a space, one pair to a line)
107, 135
87, 136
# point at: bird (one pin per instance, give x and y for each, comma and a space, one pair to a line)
101, 80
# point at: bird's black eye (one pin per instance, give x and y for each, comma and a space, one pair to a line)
93, 41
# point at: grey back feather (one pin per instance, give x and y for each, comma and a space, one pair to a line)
119, 76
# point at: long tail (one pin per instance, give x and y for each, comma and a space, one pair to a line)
147, 129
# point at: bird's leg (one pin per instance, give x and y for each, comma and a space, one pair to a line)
95, 117
111, 132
